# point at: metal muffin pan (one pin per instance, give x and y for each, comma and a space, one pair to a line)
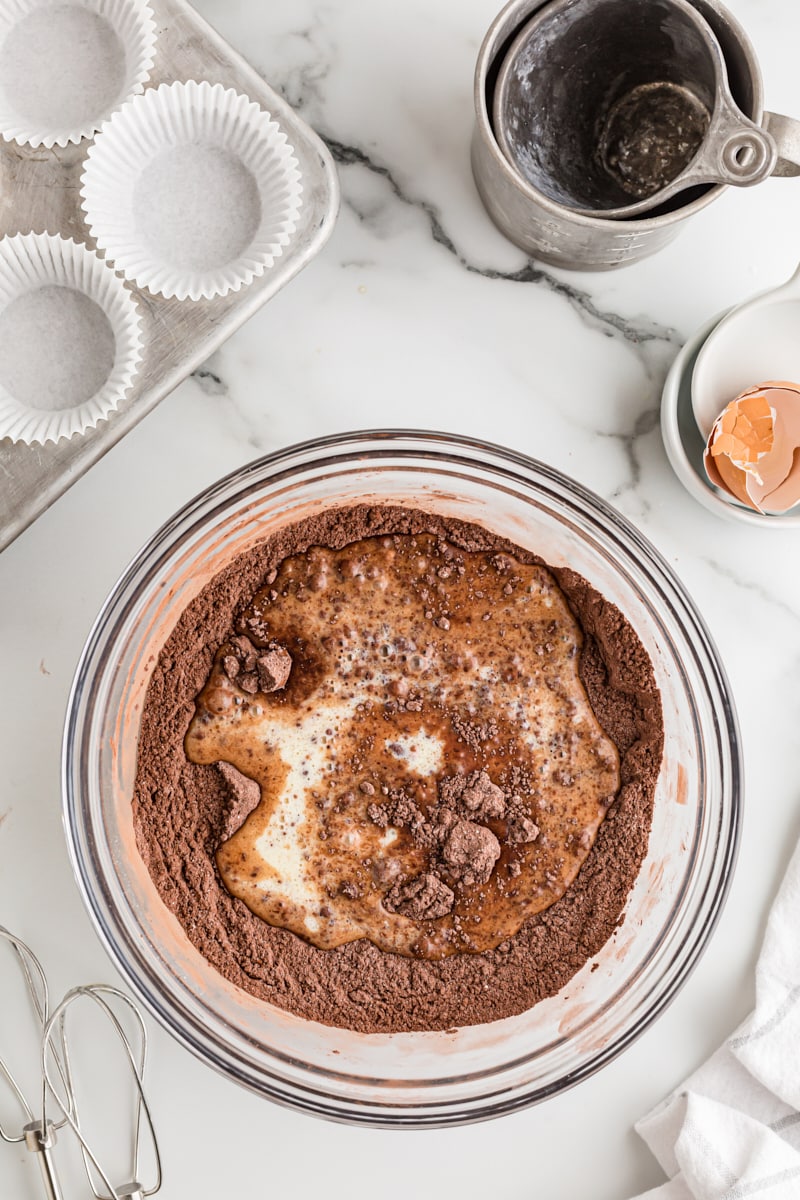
39, 192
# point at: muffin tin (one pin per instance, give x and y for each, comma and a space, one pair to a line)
41, 193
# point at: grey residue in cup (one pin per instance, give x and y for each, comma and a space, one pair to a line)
649, 135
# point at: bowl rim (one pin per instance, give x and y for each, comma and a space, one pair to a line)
459, 449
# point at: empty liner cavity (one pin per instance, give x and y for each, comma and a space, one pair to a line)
70, 341
192, 190
66, 67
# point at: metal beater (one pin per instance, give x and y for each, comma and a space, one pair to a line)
39, 1136
57, 1075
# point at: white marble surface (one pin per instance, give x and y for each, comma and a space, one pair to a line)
419, 313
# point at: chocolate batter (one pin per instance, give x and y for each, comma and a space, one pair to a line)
184, 811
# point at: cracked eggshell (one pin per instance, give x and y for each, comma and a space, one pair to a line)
753, 450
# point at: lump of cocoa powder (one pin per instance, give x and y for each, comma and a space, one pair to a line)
422, 899
245, 652
244, 794
481, 798
473, 796
400, 811
521, 828
230, 665
274, 669
465, 850
254, 670
470, 852
472, 732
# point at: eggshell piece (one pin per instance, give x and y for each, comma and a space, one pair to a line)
753, 451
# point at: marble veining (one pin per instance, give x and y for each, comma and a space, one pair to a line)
209, 381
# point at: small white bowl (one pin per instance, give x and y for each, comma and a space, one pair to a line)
685, 444
758, 340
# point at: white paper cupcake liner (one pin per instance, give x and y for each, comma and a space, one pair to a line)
67, 65
192, 190
70, 342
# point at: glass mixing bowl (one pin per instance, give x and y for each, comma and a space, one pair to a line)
419, 1079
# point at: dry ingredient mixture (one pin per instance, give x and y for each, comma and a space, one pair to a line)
396, 774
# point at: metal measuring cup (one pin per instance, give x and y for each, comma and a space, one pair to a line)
611, 107
552, 231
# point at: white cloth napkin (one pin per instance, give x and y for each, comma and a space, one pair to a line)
732, 1130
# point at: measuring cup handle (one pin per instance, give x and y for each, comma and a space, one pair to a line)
786, 132
735, 150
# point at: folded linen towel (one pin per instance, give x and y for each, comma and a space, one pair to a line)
732, 1130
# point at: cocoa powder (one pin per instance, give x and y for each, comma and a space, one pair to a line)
183, 811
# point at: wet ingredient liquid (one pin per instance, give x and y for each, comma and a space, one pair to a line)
430, 773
